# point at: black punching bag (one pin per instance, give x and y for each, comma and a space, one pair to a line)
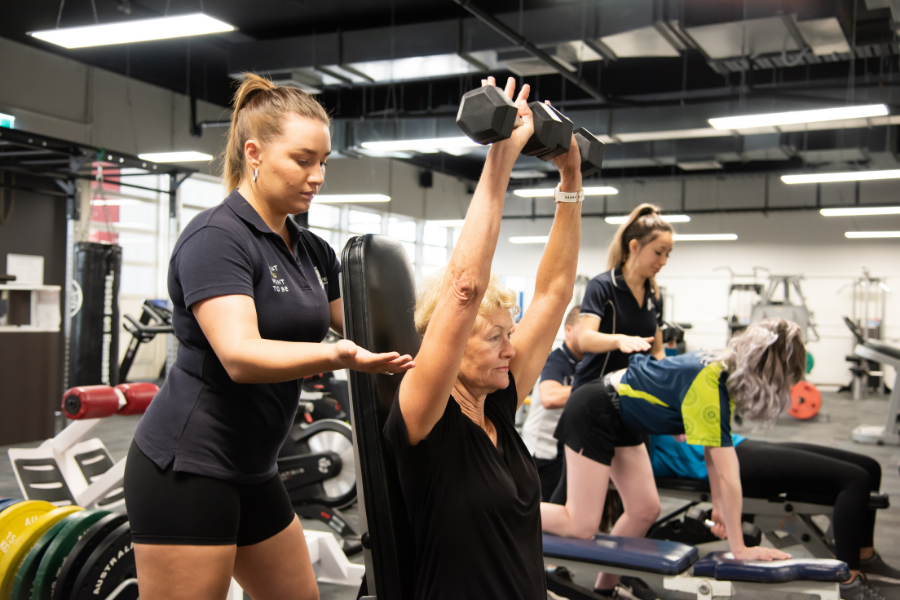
94, 345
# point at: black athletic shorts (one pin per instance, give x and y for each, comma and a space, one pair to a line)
168, 507
591, 424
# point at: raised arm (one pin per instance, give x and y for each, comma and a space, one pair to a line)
725, 486
555, 282
426, 389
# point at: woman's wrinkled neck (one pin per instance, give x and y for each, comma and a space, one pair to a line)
472, 405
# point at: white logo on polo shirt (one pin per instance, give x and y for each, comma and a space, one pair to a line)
277, 283
323, 281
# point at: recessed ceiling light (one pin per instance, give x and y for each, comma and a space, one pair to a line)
332, 198
128, 32
171, 157
800, 116
528, 174
667, 218
700, 165
529, 239
839, 177
872, 234
860, 211
548, 192
705, 237
424, 145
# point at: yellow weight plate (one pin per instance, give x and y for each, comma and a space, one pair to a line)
16, 519
12, 560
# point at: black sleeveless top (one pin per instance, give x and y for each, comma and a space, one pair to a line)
474, 508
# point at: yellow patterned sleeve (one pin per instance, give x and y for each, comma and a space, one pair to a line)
701, 410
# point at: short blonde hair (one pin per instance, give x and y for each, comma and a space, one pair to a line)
495, 296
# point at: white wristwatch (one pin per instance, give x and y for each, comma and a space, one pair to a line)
559, 196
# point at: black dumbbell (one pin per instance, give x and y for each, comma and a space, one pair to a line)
548, 127
591, 150
565, 138
487, 115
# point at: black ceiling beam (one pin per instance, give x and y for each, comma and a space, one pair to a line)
533, 50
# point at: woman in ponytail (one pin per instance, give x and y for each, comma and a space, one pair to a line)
621, 313
253, 297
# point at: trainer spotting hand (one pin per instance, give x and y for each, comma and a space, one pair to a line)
351, 356
524, 127
630, 343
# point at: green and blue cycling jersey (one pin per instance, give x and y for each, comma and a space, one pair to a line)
677, 395
671, 458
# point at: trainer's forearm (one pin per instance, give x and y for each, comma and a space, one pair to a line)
273, 361
597, 343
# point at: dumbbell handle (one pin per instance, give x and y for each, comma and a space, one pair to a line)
99, 401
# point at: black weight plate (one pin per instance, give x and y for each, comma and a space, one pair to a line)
82, 551
110, 565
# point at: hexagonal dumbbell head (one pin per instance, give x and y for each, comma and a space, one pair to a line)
547, 127
591, 150
565, 137
486, 115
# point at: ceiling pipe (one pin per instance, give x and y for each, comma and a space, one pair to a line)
536, 52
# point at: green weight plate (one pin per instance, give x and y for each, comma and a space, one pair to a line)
109, 568
18, 550
81, 552
24, 581
59, 550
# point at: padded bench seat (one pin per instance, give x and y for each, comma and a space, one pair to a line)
723, 567
652, 556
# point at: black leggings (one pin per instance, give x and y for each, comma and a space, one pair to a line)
845, 478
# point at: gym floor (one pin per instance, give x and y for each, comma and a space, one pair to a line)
832, 426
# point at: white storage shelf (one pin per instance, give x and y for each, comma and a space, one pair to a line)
40, 310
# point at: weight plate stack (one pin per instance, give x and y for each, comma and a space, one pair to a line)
110, 568
7, 502
24, 581
77, 559
60, 548
18, 550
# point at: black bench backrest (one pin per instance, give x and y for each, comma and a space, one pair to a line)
378, 289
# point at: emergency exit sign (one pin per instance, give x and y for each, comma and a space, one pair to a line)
7, 120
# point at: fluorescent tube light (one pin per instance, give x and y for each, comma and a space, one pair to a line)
860, 211
667, 218
128, 32
433, 144
332, 198
838, 177
800, 116
705, 237
548, 192
173, 157
530, 239
872, 234
447, 223
527, 174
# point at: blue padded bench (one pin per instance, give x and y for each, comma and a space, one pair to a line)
722, 566
640, 554
667, 565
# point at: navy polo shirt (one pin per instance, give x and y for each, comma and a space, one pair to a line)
201, 419
608, 298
